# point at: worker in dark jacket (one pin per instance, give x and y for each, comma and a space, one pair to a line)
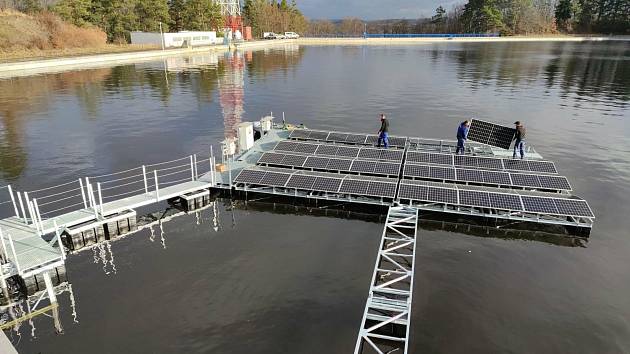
383, 133
462, 135
519, 140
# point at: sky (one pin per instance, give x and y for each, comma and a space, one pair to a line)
371, 9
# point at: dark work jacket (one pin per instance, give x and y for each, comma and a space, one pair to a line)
384, 126
520, 133
462, 132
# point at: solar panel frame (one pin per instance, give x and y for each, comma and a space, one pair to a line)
363, 166
468, 175
382, 189
305, 148
539, 205
285, 145
573, 207
356, 138
347, 151
324, 149
505, 201
299, 133
412, 192
496, 177
339, 137
354, 186
515, 165
316, 162
541, 166
249, 176
304, 182
387, 168
271, 158
327, 184
392, 155
276, 179
490, 133
442, 195
525, 180
442, 173
293, 160
318, 135
370, 153
474, 198
336, 164
411, 170
554, 182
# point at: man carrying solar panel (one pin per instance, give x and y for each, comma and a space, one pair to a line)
519, 140
383, 134
462, 135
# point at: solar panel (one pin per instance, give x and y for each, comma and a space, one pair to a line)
488, 162
542, 166
271, 158
539, 205
293, 160
492, 177
416, 171
505, 201
299, 133
442, 195
286, 146
368, 153
391, 155
353, 186
306, 148
443, 173
326, 184
363, 166
327, 150
467, 161
412, 191
519, 165
524, 180
339, 165
474, 198
427, 157
397, 141
466, 175
372, 140
316, 162
348, 151
554, 182
387, 168
250, 176
301, 182
275, 179
318, 135
491, 134
382, 189
573, 207
337, 137
356, 138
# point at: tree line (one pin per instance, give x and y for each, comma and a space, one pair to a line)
273, 16
508, 17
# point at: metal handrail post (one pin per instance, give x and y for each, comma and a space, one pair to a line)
157, 187
39, 216
22, 206
195, 159
89, 189
100, 197
144, 176
192, 168
31, 209
83, 193
63, 253
230, 173
4, 247
92, 200
13, 201
17, 263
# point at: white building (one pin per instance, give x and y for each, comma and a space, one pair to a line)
176, 40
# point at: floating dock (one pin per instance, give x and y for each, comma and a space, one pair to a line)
411, 177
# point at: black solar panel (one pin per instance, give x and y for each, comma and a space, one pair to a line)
442, 195
339, 165
539, 205
382, 189
363, 166
368, 153
353, 186
387, 168
301, 182
396, 141
412, 191
474, 198
505, 201
573, 207
327, 150
492, 177
250, 176
348, 151
392, 155
275, 179
306, 148
554, 182
299, 133
427, 157
327, 184
491, 134
371, 140
416, 171
293, 160
442, 173
524, 180
316, 162
490, 163
271, 158
286, 146
318, 135
465, 161
519, 165
356, 138
542, 166
340, 137
466, 175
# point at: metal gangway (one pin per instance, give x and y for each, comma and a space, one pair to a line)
387, 316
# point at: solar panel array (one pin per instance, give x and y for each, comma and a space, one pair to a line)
443, 173
491, 134
381, 168
341, 184
491, 163
495, 200
345, 138
343, 151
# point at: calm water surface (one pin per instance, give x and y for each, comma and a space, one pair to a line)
278, 281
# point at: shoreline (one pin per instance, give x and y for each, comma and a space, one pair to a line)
30, 67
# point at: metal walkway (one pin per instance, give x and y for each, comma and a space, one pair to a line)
387, 315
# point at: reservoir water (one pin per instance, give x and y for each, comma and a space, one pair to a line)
278, 279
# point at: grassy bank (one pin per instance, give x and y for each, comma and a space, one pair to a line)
24, 54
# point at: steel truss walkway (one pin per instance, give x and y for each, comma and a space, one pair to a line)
387, 315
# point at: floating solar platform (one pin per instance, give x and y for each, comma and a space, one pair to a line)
482, 162
491, 134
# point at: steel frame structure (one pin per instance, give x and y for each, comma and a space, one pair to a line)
387, 315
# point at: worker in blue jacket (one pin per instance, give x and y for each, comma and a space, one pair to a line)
462, 135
